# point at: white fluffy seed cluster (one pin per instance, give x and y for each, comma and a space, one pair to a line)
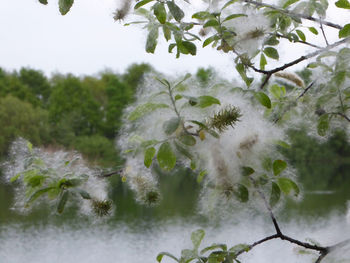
52, 159
252, 138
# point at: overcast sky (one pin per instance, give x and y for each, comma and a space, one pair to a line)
87, 40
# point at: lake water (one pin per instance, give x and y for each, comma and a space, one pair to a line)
137, 234
105, 243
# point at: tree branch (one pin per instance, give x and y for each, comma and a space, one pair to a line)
292, 14
340, 114
269, 73
257, 243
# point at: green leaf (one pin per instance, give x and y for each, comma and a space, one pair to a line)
313, 30
345, 32
142, 3
233, 16
276, 91
15, 178
241, 193
272, 41
275, 194
187, 139
30, 147
278, 167
166, 33
228, 3
287, 185
64, 6
162, 254
178, 97
197, 237
301, 35
149, 154
83, 194
44, 2
201, 176
183, 151
166, 157
289, 2
62, 202
246, 170
211, 23
214, 247
160, 12
201, 15
266, 163
210, 40
271, 53
343, 4
37, 194
340, 77
152, 38
190, 48
144, 109
240, 247
171, 125
283, 144
242, 72
323, 125
206, 101
175, 10
263, 61
263, 99
187, 255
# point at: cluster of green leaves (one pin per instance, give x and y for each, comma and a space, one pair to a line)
333, 97
39, 179
215, 253
271, 180
63, 5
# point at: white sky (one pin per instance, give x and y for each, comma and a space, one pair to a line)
87, 40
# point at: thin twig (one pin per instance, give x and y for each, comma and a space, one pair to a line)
110, 174
323, 33
297, 41
305, 90
257, 243
292, 14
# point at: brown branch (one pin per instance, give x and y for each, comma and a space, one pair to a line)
269, 73
110, 174
340, 114
304, 244
305, 90
292, 14
257, 243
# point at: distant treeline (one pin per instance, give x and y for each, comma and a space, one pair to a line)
81, 113
84, 114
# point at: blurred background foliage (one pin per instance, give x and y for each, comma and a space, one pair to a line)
85, 114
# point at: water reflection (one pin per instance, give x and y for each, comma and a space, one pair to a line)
136, 233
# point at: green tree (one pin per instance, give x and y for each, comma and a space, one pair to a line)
21, 119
